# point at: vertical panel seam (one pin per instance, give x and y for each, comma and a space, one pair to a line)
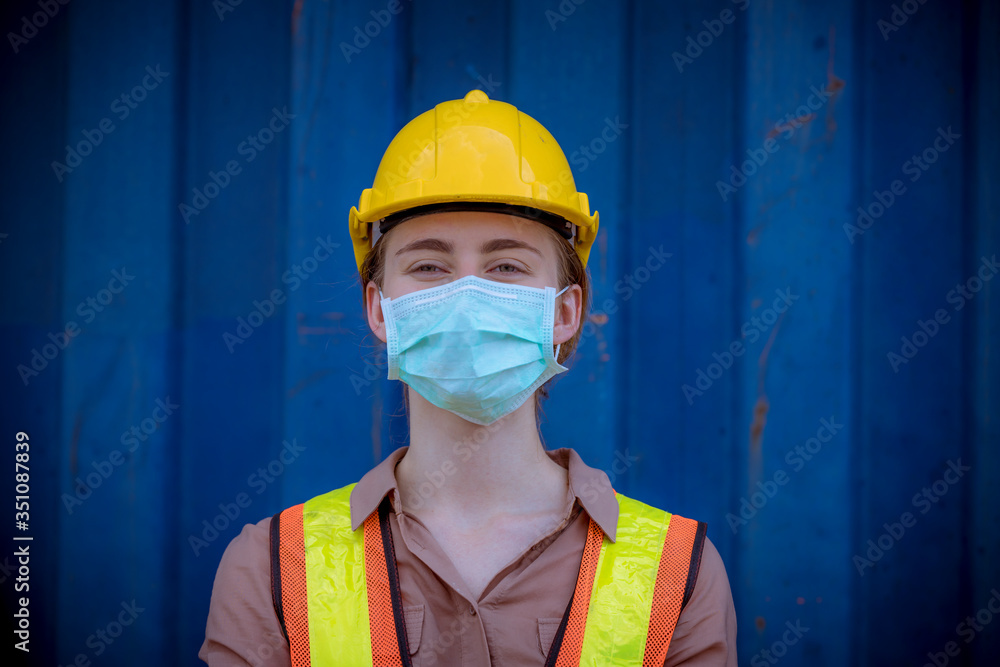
857, 461
625, 378
175, 353
969, 190
737, 249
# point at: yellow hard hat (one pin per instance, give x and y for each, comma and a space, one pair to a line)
473, 154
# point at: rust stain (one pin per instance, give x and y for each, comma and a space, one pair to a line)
753, 236
760, 623
789, 193
305, 330
296, 16
760, 410
834, 84
305, 382
791, 125
762, 406
319, 331
762, 361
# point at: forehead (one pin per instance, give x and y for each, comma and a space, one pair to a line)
461, 227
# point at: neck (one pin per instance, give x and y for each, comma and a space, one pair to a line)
456, 466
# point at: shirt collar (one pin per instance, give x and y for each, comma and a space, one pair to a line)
368, 493
590, 486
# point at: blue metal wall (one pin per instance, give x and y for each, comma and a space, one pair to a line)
132, 358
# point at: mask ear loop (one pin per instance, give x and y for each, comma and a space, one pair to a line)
391, 342
556, 355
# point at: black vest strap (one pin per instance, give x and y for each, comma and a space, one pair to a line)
384, 509
274, 540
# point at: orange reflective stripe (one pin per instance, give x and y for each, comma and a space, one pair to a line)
615, 612
292, 598
385, 642
674, 579
572, 639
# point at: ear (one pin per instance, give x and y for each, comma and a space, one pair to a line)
569, 309
373, 309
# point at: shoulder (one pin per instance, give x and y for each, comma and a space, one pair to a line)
242, 626
706, 629
246, 555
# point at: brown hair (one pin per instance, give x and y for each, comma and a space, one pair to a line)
571, 272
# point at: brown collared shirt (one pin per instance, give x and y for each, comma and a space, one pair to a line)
512, 622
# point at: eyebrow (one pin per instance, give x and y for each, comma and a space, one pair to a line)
448, 248
438, 245
495, 245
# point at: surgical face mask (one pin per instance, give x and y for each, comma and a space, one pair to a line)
475, 347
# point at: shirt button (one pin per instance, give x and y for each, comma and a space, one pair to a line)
472, 610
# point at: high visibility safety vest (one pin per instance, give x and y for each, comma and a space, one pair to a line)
336, 591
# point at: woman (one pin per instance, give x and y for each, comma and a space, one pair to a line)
473, 545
